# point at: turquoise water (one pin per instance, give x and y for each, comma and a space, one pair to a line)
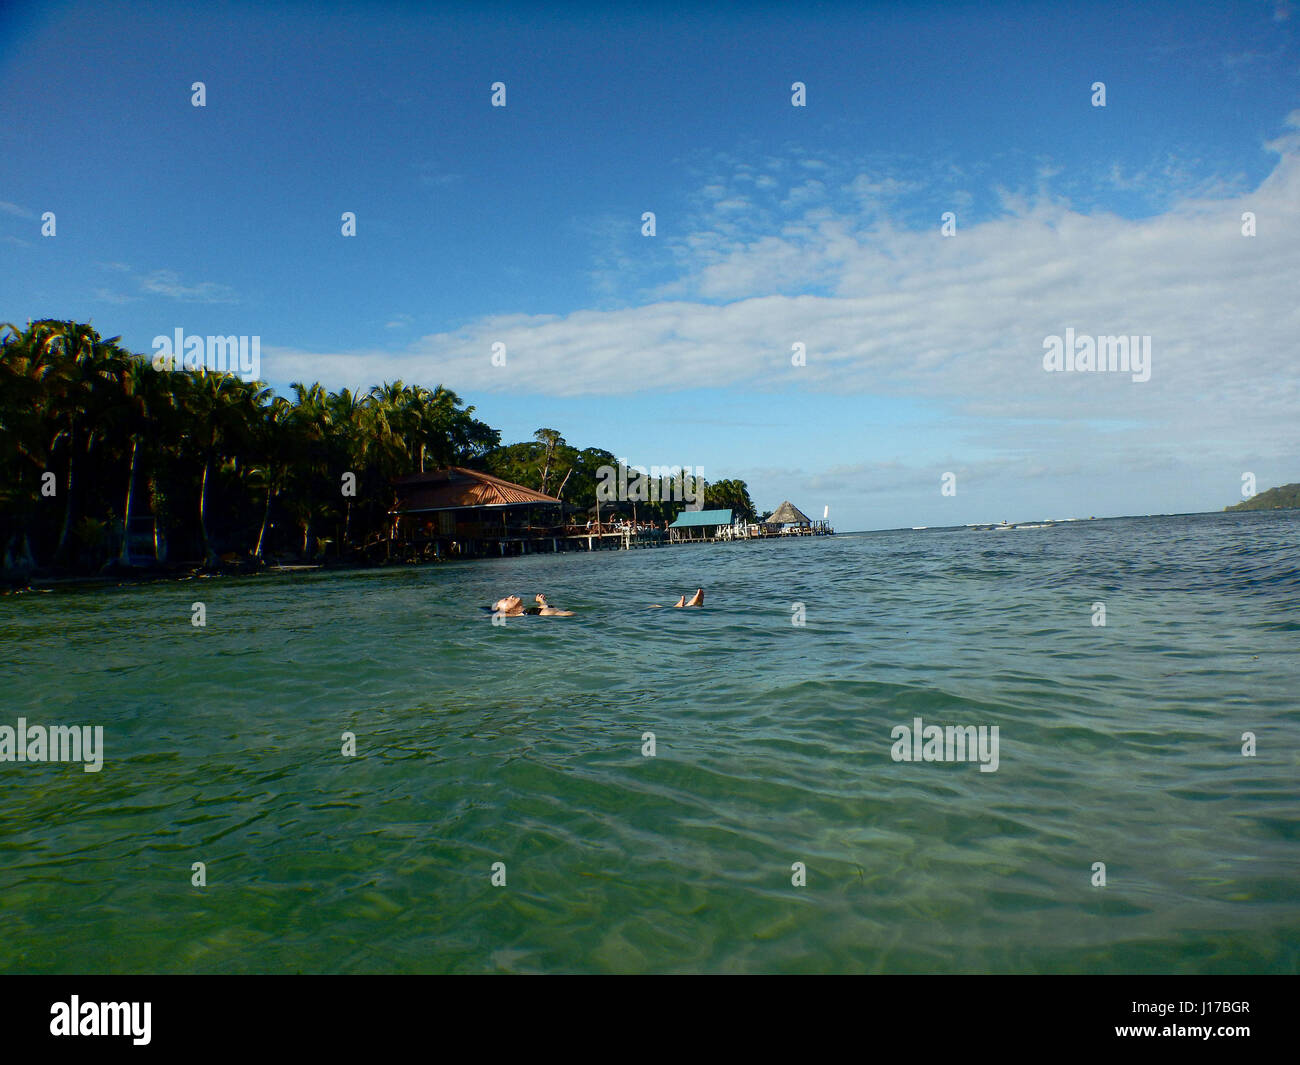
522, 744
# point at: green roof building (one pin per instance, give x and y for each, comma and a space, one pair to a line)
698, 524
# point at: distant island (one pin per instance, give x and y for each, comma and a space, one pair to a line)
1287, 496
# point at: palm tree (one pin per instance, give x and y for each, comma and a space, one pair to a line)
147, 403
78, 393
26, 431
213, 400
348, 417
273, 445
389, 406
730, 494
311, 422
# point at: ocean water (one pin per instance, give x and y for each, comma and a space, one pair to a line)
522, 744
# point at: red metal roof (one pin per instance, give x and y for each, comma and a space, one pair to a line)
456, 488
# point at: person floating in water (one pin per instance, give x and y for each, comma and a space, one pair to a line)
696, 600
513, 607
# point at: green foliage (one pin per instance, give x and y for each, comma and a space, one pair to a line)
1286, 496
566, 472
574, 475
226, 465
730, 494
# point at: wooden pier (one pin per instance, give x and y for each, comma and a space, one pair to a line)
462, 513
731, 534
579, 538
526, 541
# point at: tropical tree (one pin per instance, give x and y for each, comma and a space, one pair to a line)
310, 468
146, 414
272, 447
550, 439
730, 495
25, 435
348, 418
83, 368
220, 406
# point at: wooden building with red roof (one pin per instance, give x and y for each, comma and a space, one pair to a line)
458, 511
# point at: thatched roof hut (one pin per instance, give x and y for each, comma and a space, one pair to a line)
788, 514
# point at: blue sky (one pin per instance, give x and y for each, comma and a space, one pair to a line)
775, 225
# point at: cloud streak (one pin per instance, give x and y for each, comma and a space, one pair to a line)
17, 211
959, 320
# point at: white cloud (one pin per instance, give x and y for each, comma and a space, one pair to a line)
168, 283
869, 189
16, 211
958, 322
104, 295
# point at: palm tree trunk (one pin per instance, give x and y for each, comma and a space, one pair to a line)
203, 512
65, 532
126, 518
266, 517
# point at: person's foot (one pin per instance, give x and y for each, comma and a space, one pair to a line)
549, 611
697, 599
680, 602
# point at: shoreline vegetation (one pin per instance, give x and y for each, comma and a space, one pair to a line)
114, 471
1284, 497
111, 469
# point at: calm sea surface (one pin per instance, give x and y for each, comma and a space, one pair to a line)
522, 744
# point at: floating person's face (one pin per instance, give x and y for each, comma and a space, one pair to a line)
509, 603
